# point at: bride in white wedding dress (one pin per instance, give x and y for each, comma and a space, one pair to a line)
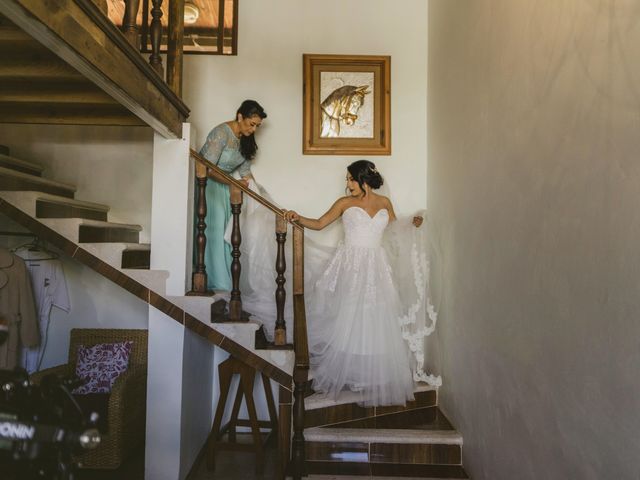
367, 301
355, 312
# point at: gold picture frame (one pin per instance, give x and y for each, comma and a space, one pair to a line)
347, 105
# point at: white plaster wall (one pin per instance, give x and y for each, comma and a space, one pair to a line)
164, 397
534, 183
273, 35
109, 165
172, 212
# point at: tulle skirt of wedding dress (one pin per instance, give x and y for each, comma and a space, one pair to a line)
355, 338
368, 308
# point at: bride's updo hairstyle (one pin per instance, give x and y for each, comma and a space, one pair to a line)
364, 171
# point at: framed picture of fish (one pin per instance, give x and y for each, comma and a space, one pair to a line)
347, 105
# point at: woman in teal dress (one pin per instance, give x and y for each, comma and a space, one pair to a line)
231, 146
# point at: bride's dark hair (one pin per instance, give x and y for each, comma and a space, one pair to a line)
248, 145
364, 171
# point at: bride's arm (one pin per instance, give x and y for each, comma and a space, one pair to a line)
318, 223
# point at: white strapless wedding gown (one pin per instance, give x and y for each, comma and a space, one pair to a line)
367, 301
355, 335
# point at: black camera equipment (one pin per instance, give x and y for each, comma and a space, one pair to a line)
41, 426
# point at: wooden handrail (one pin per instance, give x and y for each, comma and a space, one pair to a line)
204, 169
221, 176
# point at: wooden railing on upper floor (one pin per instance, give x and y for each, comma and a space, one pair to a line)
206, 170
175, 35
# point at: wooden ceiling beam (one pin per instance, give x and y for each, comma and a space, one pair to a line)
53, 94
80, 35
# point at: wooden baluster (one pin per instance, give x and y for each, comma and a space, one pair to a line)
129, 22
175, 46
280, 334
297, 442
156, 37
235, 303
301, 347
199, 277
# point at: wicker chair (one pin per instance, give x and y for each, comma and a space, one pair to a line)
127, 401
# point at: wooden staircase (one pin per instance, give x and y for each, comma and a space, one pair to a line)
341, 437
417, 440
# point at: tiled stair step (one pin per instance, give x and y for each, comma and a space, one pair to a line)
137, 258
56, 207
243, 333
80, 230
13, 180
322, 411
112, 253
428, 418
384, 445
107, 232
18, 165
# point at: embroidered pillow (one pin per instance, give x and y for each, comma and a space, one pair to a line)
100, 365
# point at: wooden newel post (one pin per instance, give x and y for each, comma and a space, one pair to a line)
235, 303
156, 37
280, 334
129, 25
199, 276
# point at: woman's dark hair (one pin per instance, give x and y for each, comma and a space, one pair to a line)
364, 171
248, 145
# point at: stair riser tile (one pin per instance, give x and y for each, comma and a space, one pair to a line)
337, 452
89, 234
422, 399
428, 418
56, 210
136, 259
358, 452
416, 454
385, 470
335, 414
351, 411
18, 184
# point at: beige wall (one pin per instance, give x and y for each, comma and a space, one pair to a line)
534, 183
109, 165
273, 36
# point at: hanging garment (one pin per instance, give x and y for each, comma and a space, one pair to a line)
17, 308
50, 289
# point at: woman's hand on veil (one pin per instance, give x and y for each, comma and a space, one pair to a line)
417, 220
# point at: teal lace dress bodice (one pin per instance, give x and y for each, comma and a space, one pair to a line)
222, 148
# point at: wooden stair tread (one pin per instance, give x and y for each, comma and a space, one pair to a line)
7, 161
383, 435
8, 172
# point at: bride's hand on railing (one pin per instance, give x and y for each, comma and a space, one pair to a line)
417, 220
291, 216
